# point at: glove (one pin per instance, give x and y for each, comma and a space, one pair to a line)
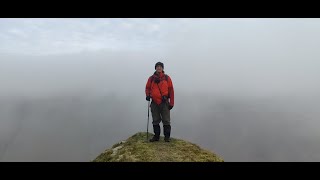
148, 98
170, 107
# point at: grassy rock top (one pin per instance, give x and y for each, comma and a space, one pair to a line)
137, 149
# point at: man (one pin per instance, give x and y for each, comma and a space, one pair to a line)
159, 88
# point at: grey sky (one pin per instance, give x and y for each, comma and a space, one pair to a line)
54, 36
253, 56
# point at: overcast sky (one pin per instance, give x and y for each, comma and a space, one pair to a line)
247, 56
54, 36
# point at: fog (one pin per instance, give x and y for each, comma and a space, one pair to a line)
246, 89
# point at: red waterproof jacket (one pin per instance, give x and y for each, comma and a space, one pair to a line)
163, 88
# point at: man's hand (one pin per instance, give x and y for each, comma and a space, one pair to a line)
148, 98
170, 107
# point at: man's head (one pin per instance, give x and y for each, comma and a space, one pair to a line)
159, 67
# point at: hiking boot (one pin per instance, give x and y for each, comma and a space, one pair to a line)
154, 138
166, 132
167, 139
156, 130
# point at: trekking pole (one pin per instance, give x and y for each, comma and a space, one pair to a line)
148, 123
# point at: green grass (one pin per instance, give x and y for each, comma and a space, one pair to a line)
137, 149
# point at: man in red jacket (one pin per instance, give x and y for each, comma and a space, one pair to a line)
159, 88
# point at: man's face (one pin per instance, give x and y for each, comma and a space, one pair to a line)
159, 69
